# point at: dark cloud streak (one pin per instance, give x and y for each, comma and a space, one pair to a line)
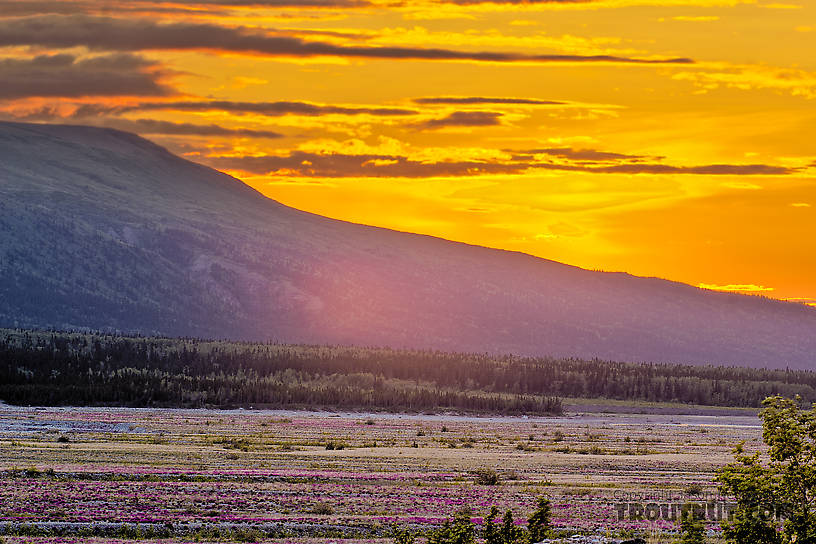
511, 2
583, 155
710, 169
65, 75
10, 8
300, 163
153, 126
112, 34
466, 100
464, 119
269, 109
303, 164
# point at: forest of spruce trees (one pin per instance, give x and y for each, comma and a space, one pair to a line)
53, 368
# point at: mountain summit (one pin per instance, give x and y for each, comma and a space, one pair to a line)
101, 229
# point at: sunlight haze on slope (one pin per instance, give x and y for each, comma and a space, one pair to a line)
668, 138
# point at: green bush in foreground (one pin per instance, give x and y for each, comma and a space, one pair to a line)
458, 531
775, 496
461, 530
403, 536
539, 524
490, 532
692, 529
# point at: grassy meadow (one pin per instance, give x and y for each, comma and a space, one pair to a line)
184, 475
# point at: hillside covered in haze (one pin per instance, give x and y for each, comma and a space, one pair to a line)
101, 229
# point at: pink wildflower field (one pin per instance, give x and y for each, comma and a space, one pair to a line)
115, 475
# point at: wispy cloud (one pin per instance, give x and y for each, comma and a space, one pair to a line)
696, 18
736, 287
478, 100
795, 81
464, 119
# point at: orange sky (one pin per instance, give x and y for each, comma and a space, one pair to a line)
670, 138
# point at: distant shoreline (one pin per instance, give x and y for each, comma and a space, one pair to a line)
572, 409
602, 406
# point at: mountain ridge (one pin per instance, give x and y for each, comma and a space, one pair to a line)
104, 229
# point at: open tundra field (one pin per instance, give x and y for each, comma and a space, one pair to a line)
281, 476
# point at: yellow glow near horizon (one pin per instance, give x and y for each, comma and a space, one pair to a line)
567, 145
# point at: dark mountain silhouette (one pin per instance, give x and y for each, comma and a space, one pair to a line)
101, 229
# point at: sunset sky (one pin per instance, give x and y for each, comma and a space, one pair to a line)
670, 138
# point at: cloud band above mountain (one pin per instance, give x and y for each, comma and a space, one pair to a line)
306, 164
65, 75
113, 34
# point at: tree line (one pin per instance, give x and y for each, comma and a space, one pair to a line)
87, 368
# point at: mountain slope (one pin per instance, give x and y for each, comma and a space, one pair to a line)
102, 229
